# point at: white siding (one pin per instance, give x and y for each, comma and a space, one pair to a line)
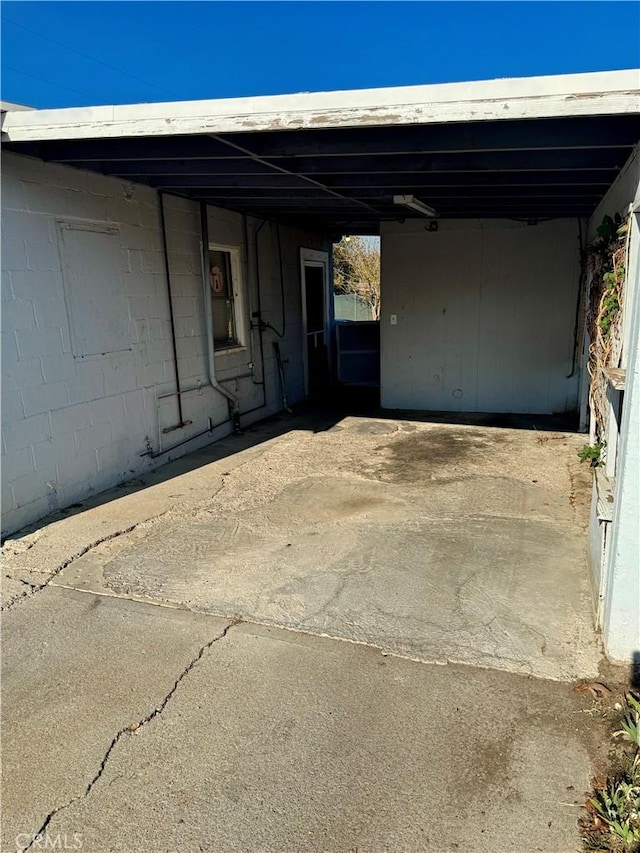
73, 426
616, 560
485, 316
621, 605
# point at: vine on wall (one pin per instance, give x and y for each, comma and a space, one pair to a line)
605, 270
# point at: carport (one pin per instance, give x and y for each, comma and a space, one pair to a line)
413, 585
529, 148
510, 156
492, 158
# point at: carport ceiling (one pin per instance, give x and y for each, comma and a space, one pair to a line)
346, 155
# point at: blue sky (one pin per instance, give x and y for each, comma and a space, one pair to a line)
57, 54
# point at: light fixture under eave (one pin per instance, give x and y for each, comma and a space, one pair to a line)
414, 203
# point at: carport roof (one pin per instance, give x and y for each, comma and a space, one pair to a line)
526, 148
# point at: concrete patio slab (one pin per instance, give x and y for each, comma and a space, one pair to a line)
35, 554
437, 542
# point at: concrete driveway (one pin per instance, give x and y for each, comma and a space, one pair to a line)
232, 718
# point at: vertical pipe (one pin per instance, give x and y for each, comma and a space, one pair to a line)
260, 323
248, 280
581, 281
253, 279
282, 293
232, 400
171, 316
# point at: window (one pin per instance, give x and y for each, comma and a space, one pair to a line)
226, 308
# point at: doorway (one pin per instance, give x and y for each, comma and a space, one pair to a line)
314, 268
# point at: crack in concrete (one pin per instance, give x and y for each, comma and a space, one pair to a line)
129, 730
20, 580
38, 587
34, 588
572, 491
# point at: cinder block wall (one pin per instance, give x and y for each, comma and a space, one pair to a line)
73, 426
485, 315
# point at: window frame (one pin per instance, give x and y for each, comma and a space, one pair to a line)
237, 299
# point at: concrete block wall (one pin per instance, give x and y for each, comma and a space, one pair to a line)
261, 260
73, 426
485, 313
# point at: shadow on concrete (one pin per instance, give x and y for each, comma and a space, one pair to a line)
365, 402
314, 417
306, 416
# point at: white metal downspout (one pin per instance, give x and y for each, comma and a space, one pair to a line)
234, 403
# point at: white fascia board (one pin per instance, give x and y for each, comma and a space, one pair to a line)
6, 106
601, 93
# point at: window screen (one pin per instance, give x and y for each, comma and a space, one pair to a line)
222, 308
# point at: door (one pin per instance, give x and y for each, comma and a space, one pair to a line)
315, 339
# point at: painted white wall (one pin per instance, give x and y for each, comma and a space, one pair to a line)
623, 191
621, 606
617, 584
614, 553
485, 315
73, 426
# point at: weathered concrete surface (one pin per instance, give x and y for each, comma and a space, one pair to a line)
273, 741
75, 670
34, 555
436, 542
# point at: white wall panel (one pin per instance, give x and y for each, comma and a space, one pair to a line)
485, 316
617, 564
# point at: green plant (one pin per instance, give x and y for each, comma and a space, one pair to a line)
613, 822
618, 803
610, 306
630, 724
608, 227
592, 453
605, 258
